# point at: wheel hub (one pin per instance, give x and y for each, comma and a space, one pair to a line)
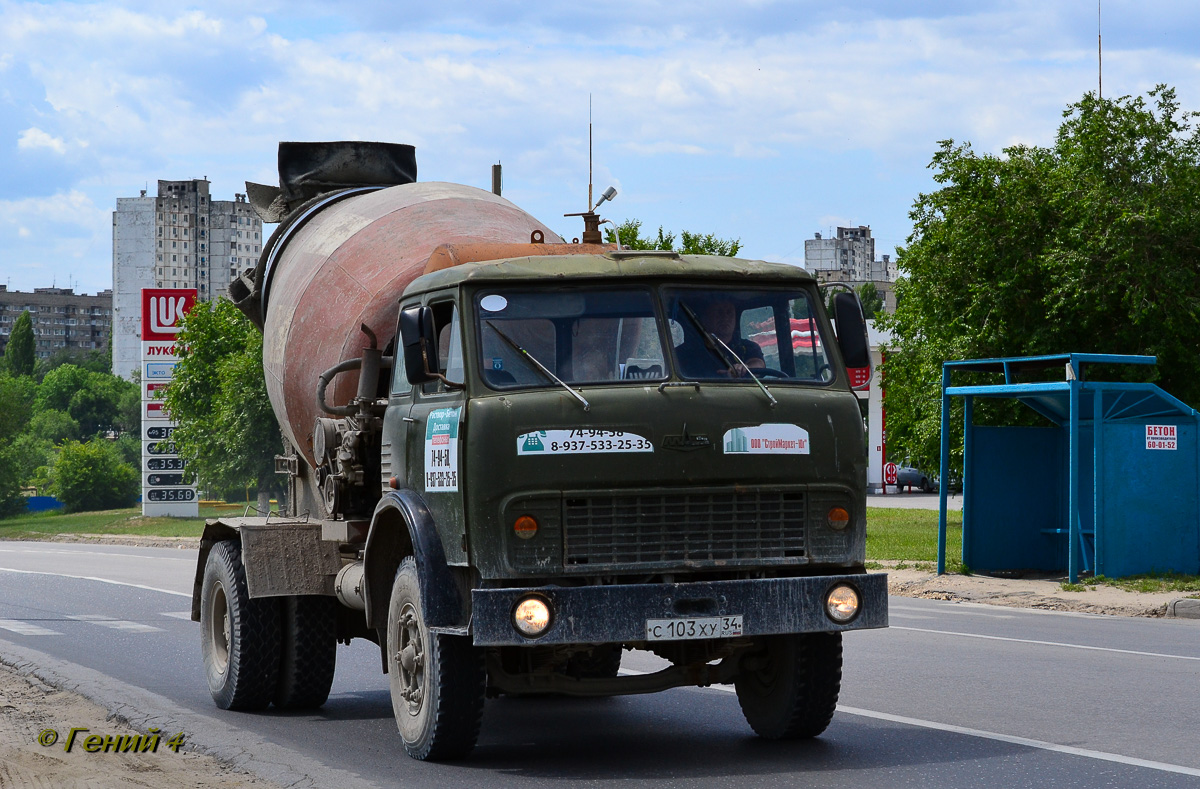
410, 659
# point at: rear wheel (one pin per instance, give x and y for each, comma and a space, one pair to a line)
239, 637
437, 681
791, 691
308, 651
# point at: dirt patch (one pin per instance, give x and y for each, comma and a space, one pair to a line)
1044, 592
29, 708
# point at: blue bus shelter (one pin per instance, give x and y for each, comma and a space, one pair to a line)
1111, 485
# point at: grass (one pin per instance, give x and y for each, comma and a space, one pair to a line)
1150, 582
907, 539
126, 521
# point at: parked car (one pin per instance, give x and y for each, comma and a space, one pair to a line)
908, 477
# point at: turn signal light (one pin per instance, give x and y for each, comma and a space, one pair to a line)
525, 527
838, 518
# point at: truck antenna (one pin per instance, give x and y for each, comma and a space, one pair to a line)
589, 152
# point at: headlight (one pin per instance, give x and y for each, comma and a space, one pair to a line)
531, 616
841, 604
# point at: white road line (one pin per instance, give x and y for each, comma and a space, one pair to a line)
1047, 643
70, 552
894, 615
27, 628
949, 610
178, 614
101, 580
1039, 744
115, 624
991, 735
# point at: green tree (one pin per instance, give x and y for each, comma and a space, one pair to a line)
871, 298
92, 476
32, 453
11, 500
53, 425
692, 243
227, 429
18, 354
98, 401
1087, 246
17, 396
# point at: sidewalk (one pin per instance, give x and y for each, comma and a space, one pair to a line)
913, 501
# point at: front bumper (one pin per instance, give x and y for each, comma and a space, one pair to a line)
618, 614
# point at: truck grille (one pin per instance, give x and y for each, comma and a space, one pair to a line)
695, 528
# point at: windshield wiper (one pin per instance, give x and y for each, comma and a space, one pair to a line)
539, 365
715, 344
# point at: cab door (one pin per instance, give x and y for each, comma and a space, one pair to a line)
393, 450
435, 432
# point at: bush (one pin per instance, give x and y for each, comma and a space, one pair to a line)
92, 476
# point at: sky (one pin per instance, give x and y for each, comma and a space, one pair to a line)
762, 121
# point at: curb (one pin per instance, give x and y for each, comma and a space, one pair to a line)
1184, 608
216, 735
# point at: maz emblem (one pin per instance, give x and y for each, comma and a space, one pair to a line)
686, 442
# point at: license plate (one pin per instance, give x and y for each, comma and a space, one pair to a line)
693, 627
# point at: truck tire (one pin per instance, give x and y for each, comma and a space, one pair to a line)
308, 651
794, 693
239, 637
437, 680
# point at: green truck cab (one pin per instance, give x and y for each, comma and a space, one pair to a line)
564, 457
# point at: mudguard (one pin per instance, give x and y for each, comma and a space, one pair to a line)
403, 526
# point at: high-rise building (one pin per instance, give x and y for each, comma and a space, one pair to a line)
851, 252
849, 257
179, 239
62, 319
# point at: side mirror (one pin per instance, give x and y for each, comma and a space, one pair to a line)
851, 329
418, 339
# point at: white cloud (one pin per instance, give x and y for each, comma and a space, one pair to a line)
139, 91
23, 232
33, 138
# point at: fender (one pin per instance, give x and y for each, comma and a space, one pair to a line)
215, 531
403, 526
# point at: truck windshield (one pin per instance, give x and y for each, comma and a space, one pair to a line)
774, 333
579, 336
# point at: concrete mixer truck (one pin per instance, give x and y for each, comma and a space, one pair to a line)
509, 458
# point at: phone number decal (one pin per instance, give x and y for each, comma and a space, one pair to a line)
580, 442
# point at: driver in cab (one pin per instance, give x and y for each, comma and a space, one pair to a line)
697, 359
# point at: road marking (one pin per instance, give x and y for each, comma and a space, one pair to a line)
179, 614
61, 551
26, 628
948, 610
115, 624
894, 615
101, 580
1047, 643
989, 735
1039, 744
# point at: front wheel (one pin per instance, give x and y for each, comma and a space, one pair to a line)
790, 690
239, 637
437, 681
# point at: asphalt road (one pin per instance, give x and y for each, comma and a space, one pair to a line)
951, 695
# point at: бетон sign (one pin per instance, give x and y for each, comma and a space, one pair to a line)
162, 494
1161, 437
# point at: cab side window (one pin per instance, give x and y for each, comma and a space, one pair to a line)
400, 384
449, 333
